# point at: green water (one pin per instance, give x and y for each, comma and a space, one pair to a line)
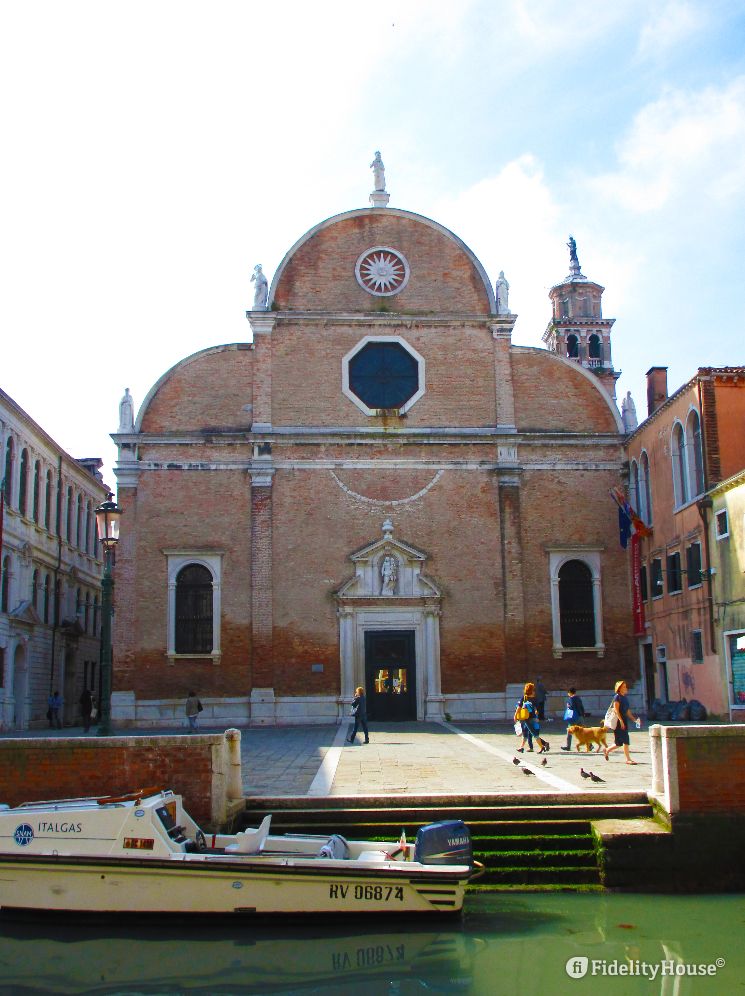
516, 944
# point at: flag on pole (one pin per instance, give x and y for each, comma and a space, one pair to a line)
628, 520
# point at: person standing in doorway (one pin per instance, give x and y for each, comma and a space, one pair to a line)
53, 713
192, 711
86, 708
623, 711
359, 708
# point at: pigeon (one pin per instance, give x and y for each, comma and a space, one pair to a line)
585, 774
515, 760
526, 771
596, 778
544, 762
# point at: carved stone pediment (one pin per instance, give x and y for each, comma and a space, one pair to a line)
388, 568
25, 616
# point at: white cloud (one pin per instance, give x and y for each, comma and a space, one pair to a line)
670, 25
683, 146
512, 222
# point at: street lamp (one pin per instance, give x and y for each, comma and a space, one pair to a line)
107, 522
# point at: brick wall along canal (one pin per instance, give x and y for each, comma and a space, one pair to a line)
540, 943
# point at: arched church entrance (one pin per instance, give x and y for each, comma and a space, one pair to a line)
390, 675
389, 632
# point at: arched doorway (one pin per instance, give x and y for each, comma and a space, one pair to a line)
69, 710
20, 688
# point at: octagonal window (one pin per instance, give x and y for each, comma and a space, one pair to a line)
383, 373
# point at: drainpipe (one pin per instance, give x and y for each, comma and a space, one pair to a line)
55, 602
704, 506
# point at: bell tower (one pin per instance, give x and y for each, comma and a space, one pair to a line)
577, 330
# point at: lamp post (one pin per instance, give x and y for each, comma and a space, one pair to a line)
107, 523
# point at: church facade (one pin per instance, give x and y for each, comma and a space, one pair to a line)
377, 488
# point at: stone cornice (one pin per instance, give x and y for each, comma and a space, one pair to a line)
386, 318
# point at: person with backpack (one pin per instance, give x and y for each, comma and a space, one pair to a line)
621, 708
573, 712
526, 715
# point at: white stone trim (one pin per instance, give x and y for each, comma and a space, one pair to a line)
590, 557
176, 559
389, 212
349, 393
394, 252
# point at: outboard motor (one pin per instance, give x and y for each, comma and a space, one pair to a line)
446, 843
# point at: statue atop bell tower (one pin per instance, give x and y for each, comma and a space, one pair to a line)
577, 330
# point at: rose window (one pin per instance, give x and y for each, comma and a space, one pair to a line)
382, 271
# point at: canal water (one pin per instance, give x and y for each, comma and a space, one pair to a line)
513, 944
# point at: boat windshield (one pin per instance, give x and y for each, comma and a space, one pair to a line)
167, 815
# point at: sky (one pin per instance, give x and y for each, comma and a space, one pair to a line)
155, 151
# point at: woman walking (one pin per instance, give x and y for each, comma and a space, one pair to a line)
530, 725
359, 709
622, 709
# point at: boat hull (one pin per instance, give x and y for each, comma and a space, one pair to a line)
89, 885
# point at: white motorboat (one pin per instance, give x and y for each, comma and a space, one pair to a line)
143, 853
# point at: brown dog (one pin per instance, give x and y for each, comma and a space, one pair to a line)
586, 736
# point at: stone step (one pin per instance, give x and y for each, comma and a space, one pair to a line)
475, 817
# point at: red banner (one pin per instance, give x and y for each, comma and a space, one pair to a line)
638, 604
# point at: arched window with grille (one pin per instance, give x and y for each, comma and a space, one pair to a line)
8, 473
88, 527
594, 347
23, 483
37, 491
70, 511
572, 347
645, 489
634, 487
194, 610
5, 586
79, 523
576, 601
48, 502
680, 476
47, 594
576, 605
694, 455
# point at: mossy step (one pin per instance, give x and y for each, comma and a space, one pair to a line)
569, 875
509, 859
533, 842
533, 887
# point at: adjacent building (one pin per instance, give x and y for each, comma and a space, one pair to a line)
727, 552
686, 463
376, 488
50, 586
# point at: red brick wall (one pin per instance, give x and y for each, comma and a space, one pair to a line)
459, 374
711, 774
551, 394
196, 394
31, 770
182, 510
320, 275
